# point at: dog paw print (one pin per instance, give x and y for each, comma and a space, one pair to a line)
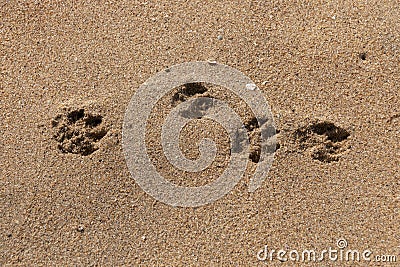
78, 131
323, 141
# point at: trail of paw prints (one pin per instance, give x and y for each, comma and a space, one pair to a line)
78, 131
321, 140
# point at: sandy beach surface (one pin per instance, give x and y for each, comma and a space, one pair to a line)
329, 71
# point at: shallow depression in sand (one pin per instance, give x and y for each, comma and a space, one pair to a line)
77, 131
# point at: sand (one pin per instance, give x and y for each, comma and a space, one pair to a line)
329, 71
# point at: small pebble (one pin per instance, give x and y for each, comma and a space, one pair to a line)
80, 229
220, 37
251, 86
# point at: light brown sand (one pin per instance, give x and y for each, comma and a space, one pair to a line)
73, 209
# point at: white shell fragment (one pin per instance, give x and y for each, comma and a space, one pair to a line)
251, 86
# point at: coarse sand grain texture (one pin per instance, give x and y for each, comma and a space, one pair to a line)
329, 70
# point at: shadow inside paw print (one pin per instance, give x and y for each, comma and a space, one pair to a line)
78, 131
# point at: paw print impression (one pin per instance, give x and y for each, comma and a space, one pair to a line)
78, 131
323, 141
